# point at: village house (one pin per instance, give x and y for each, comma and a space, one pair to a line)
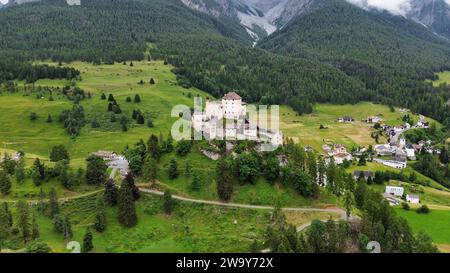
412, 198
391, 199
373, 119
395, 191
383, 149
106, 155
391, 163
345, 119
338, 152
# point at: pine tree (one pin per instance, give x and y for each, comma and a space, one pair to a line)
362, 160
188, 169
96, 170
224, 180
49, 118
53, 202
173, 169
126, 207
111, 192
111, 98
68, 234
87, 242
103, 96
5, 228
150, 123
35, 234
140, 119
153, 147
195, 185
23, 220
100, 217
168, 202
5, 183
150, 170
20, 172
129, 179
152, 81
8, 213
137, 98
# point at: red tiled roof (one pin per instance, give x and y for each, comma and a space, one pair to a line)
232, 96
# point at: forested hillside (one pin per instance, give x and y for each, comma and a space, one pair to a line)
336, 53
391, 55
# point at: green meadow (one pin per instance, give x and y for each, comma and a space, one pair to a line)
435, 224
37, 137
306, 128
444, 77
190, 228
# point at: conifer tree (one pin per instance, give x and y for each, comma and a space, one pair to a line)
5, 183
126, 207
23, 220
168, 202
53, 202
35, 234
173, 169
224, 180
111, 192
100, 217
87, 242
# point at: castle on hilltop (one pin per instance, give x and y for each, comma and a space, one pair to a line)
227, 119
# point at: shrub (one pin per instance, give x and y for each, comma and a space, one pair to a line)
423, 209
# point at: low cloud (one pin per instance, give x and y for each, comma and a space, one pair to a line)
399, 7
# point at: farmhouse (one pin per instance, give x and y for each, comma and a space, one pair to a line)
341, 157
412, 198
396, 191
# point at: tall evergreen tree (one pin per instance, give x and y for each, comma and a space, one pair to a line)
129, 179
111, 192
35, 234
23, 222
168, 202
96, 170
126, 207
53, 202
150, 170
100, 216
224, 180
5, 183
173, 169
67, 228
87, 242
154, 149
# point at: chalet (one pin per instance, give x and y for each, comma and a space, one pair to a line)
363, 174
412, 198
395, 191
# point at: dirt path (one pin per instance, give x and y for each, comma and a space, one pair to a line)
339, 211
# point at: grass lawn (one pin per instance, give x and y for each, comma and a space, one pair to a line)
305, 129
191, 228
444, 77
37, 137
435, 224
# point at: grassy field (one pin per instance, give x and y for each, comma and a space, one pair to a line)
37, 137
305, 129
435, 224
191, 228
444, 77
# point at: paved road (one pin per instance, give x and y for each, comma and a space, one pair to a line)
339, 211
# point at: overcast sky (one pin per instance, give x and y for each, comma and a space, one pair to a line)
4, 1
